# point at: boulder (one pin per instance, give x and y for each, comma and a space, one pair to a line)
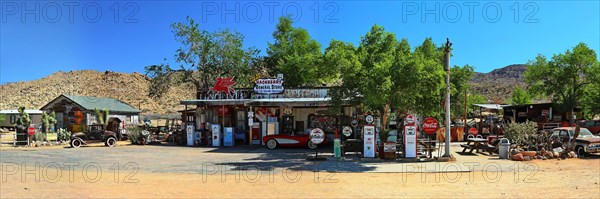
518, 157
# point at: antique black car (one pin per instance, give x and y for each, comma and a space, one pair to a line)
94, 134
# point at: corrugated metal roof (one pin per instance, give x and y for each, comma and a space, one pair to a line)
100, 103
491, 106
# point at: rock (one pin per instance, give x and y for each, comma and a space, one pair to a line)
556, 154
518, 157
572, 154
527, 158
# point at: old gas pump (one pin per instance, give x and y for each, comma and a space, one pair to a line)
369, 138
410, 137
216, 135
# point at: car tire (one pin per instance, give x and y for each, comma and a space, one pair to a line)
580, 152
272, 144
311, 145
111, 142
76, 143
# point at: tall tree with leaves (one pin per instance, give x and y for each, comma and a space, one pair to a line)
203, 57
297, 56
421, 81
564, 77
520, 96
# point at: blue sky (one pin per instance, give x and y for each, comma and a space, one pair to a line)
38, 38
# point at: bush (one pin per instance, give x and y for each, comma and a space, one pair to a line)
63, 134
522, 134
135, 133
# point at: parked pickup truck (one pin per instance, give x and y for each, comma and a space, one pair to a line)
593, 126
585, 143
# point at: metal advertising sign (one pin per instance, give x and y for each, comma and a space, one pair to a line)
430, 126
347, 131
317, 136
369, 119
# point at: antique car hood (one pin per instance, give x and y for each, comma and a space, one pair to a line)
589, 139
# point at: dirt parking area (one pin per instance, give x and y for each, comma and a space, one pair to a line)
255, 172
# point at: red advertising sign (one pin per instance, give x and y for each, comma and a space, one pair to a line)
224, 84
430, 126
223, 110
30, 130
473, 131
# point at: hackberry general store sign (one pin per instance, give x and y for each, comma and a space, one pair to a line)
268, 86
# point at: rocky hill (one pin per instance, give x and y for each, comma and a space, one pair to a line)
499, 84
132, 88
128, 87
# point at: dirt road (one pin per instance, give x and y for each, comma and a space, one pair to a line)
571, 178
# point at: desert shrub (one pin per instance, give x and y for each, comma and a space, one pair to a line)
63, 134
135, 133
522, 134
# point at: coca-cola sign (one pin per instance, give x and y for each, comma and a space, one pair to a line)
430, 126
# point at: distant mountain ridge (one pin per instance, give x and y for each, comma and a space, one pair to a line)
499, 84
132, 88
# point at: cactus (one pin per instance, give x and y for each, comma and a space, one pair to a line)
102, 118
23, 121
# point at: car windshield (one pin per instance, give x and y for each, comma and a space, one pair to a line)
582, 133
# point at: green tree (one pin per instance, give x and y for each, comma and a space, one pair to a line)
420, 81
564, 77
203, 57
459, 86
297, 56
520, 96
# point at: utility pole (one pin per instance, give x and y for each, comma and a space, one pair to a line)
447, 68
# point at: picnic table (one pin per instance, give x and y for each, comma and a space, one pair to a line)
476, 144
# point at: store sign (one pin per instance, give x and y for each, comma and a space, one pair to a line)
317, 136
347, 131
268, 86
545, 112
430, 126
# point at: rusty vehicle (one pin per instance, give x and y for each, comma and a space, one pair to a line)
94, 134
585, 143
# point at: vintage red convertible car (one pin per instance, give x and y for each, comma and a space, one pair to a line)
284, 140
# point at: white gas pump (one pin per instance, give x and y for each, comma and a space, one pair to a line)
369, 141
190, 134
410, 137
216, 134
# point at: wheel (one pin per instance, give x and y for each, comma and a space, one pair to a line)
111, 142
76, 143
272, 144
580, 152
311, 145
